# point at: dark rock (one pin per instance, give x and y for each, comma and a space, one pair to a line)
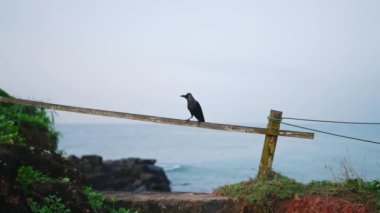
146, 176
131, 174
13, 197
74, 198
12, 156
148, 161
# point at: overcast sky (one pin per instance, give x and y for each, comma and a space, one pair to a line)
316, 59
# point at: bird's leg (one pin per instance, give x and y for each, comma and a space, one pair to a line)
190, 118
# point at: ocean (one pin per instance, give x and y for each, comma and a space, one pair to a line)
200, 160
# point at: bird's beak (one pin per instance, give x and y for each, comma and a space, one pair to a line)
183, 96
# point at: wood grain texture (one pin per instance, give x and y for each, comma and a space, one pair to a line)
269, 148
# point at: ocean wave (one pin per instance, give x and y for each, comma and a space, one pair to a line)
171, 167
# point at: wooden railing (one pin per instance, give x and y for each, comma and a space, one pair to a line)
271, 132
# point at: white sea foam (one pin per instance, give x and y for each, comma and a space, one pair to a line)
170, 167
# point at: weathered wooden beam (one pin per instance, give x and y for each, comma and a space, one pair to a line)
155, 119
265, 168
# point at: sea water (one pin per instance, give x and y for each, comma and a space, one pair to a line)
200, 160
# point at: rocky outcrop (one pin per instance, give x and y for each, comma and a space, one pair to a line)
131, 174
14, 196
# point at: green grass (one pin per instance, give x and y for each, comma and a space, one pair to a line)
259, 191
264, 191
354, 190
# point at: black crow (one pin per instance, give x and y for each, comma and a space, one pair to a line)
194, 107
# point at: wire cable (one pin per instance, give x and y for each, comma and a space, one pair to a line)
329, 121
323, 132
333, 134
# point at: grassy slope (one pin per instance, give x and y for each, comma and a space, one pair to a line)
263, 192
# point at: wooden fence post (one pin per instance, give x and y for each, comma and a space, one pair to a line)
273, 128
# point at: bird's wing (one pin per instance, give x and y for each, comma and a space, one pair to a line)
197, 112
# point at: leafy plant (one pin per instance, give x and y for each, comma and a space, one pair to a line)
9, 131
51, 204
95, 199
26, 175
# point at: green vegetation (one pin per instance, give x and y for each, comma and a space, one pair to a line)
263, 191
96, 201
26, 175
260, 190
51, 204
9, 131
19, 124
354, 190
